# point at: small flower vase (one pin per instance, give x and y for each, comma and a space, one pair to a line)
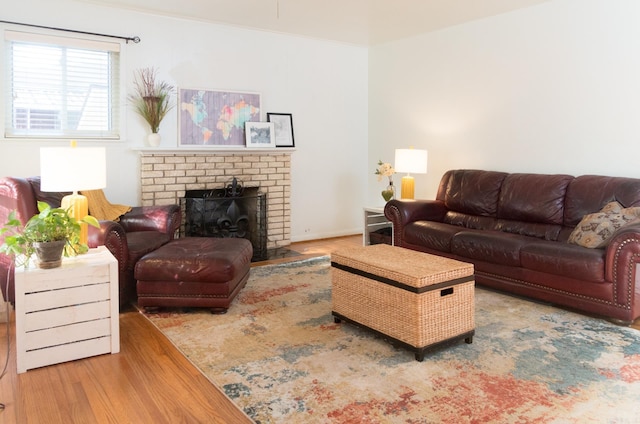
389, 193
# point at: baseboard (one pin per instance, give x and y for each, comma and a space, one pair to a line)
322, 236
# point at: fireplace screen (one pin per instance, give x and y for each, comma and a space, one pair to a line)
224, 213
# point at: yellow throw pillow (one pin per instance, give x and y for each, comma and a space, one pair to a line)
595, 230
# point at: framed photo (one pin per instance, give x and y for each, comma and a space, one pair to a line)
215, 118
283, 123
259, 135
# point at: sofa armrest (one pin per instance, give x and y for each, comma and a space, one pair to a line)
404, 212
162, 218
622, 260
112, 236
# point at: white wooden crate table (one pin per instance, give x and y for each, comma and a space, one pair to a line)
67, 313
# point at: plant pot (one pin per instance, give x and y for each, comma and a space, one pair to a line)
49, 253
153, 140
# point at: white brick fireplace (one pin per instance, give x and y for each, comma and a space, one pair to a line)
166, 175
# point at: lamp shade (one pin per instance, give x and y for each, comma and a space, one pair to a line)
411, 161
73, 168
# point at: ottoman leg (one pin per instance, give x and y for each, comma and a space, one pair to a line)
218, 311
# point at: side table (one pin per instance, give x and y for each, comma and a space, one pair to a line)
374, 219
67, 313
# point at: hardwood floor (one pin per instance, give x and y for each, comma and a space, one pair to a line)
149, 381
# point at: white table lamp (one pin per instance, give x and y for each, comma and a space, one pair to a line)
411, 161
73, 169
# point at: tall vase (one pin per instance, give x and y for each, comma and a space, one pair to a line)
153, 140
389, 193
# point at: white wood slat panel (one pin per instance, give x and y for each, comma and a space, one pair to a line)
67, 352
67, 334
67, 297
65, 316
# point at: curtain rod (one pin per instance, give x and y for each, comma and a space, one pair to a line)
135, 39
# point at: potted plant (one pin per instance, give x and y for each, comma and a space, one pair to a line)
151, 100
51, 229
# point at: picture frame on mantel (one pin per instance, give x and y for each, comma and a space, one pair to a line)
260, 135
215, 118
283, 126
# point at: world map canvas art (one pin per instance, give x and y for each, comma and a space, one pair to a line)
215, 118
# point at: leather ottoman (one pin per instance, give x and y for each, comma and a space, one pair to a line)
201, 272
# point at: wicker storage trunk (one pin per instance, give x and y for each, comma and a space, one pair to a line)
416, 300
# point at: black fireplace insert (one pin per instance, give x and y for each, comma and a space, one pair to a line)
227, 212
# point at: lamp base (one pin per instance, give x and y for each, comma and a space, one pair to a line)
407, 189
78, 207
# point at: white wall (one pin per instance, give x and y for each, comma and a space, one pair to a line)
553, 88
323, 84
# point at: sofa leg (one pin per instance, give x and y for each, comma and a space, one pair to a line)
219, 311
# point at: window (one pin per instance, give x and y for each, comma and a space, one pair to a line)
61, 87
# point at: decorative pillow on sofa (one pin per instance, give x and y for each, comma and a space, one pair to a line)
52, 198
596, 229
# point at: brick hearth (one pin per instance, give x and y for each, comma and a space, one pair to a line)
166, 176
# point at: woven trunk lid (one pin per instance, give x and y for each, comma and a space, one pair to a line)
407, 267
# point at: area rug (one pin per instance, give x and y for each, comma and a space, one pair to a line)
279, 355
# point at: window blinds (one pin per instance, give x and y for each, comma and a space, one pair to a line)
61, 87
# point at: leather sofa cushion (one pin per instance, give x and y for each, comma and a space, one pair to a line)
431, 234
474, 192
590, 193
470, 221
142, 242
533, 198
564, 259
489, 246
531, 229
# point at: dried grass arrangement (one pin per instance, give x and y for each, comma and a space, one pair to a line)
151, 100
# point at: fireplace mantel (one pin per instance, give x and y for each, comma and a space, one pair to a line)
197, 149
166, 173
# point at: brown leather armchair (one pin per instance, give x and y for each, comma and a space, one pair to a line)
138, 232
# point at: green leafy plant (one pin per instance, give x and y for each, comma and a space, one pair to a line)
50, 224
151, 99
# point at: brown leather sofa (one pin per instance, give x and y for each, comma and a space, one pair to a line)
515, 229
138, 232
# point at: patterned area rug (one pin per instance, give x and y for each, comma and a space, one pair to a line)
279, 355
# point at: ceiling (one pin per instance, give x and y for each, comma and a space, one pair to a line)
360, 22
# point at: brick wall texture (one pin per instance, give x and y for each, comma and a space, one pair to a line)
166, 176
